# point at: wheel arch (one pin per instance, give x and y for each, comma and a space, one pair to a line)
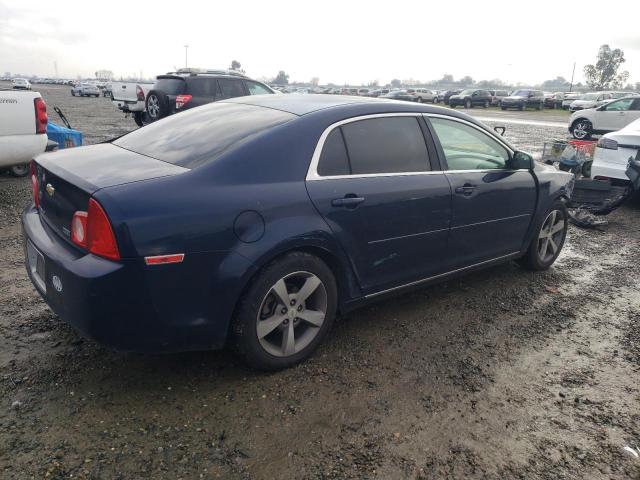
579, 119
346, 281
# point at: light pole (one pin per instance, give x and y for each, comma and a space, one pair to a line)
572, 74
186, 48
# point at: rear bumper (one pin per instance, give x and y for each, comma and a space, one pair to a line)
513, 104
611, 163
129, 306
129, 105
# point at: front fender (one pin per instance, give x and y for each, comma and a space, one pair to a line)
552, 184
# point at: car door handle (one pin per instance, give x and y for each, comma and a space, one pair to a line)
348, 201
467, 189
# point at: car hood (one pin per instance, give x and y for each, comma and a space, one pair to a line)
104, 165
583, 103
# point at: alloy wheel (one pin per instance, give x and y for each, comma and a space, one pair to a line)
581, 129
153, 106
550, 236
291, 314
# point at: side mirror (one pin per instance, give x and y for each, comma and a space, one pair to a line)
521, 160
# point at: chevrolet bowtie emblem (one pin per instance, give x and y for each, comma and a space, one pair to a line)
50, 190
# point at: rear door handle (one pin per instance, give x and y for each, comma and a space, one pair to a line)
348, 201
466, 189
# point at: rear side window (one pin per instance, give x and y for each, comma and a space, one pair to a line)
170, 86
386, 145
334, 159
231, 88
202, 87
201, 135
256, 89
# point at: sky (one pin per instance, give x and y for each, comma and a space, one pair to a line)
343, 42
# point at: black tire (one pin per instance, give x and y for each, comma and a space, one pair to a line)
73, 94
244, 328
468, 104
486, 104
540, 106
435, 100
19, 170
523, 107
532, 259
137, 117
157, 105
419, 100
502, 108
581, 129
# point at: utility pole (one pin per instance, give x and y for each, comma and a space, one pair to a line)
186, 48
572, 74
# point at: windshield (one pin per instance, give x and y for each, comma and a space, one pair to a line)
590, 96
520, 93
199, 136
467, 92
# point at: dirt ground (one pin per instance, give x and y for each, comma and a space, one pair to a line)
500, 374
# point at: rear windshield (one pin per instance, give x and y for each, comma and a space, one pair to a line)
170, 86
200, 135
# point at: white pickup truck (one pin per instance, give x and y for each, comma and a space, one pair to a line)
23, 129
129, 97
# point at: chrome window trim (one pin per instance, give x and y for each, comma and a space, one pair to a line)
312, 172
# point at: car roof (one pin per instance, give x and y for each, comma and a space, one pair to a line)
344, 105
302, 104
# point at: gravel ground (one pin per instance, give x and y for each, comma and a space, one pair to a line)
500, 374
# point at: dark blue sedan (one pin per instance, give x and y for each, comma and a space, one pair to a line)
255, 221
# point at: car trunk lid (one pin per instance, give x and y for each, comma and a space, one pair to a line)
68, 178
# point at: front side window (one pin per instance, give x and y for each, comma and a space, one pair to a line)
619, 105
386, 145
467, 148
256, 89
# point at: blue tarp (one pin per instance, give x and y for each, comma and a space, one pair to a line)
64, 137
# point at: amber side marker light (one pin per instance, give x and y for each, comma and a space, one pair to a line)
164, 259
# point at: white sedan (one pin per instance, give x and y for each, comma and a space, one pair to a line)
21, 84
613, 152
607, 118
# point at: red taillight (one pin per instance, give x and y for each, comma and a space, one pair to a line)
92, 230
182, 100
41, 115
139, 93
35, 184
